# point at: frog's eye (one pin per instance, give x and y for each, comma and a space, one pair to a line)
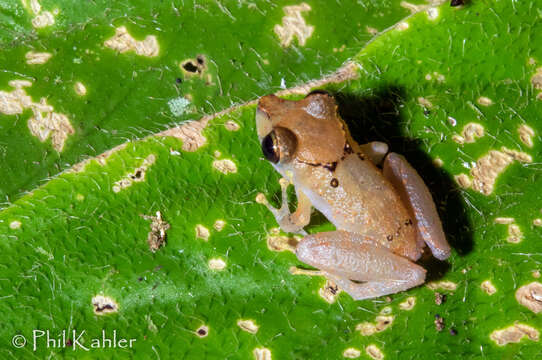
279, 145
270, 147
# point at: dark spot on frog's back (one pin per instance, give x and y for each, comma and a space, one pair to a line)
334, 183
331, 167
389, 237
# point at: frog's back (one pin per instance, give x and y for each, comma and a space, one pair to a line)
355, 196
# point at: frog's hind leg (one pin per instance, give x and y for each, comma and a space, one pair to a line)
359, 264
414, 193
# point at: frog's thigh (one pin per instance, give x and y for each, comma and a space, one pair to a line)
375, 150
346, 256
415, 194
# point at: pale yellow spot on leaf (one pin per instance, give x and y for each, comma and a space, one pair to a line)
470, 132
374, 352
484, 101
329, 291
104, 305
123, 42
225, 166
514, 334
530, 296
44, 123
442, 285
504, 220
408, 304
15, 224
463, 180
190, 134
137, 175
526, 134
366, 328
278, 242
293, 25
217, 264
248, 326
401, 26
42, 20
351, 353
536, 79
37, 58
425, 103
219, 225
202, 232
488, 287
371, 30
262, 354
80, 88
231, 125
514, 234
489, 167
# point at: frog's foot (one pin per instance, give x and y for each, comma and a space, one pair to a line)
358, 264
375, 151
289, 222
417, 197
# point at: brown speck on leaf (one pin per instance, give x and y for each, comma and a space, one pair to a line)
408, 304
195, 66
202, 331
439, 322
157, 236
329, 291
104, 305
440, 298
455, 3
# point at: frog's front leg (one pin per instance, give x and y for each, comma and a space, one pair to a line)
359, 264
290, 222
375, 151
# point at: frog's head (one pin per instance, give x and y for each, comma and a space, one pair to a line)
308, 130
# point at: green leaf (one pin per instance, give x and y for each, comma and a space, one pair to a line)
128, 96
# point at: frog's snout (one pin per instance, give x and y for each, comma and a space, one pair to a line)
263, 120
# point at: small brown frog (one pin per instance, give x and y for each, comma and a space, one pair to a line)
384, 217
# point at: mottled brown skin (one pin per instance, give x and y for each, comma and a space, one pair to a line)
383, 219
